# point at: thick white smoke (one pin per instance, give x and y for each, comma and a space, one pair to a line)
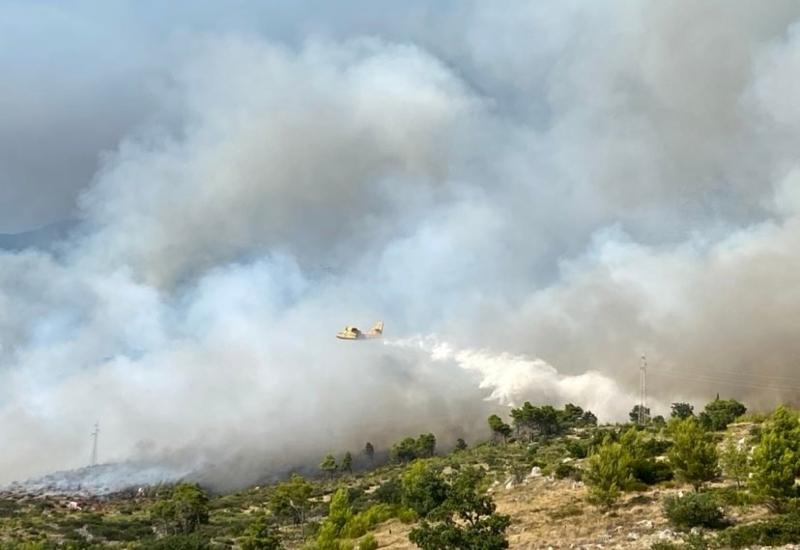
552, 191
511, 380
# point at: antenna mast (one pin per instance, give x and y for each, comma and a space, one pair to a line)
95, 433
642, 417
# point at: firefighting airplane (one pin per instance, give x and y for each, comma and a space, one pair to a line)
352, 333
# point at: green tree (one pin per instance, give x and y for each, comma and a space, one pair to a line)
735, 462
328, 465
544, 420
405, 450
681, 410
369, 450
589, 419
424, 490
426, 445
183, 512
499, 428
642, 452
467, 521
721, 412
693, 454
339, 513
460, 444
571, 416
776, 459
261, 535
609, 473
289, 500
347, 463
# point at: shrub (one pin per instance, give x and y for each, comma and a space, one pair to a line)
519, 472
368, 543
563, 470
694, 510
655, 447
389, 492
468, 521
731, 496
651, 472
424, 490
772, 532
565, 511
406, 515
359, 524
578, 449
179, 542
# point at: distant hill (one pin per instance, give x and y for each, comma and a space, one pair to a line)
42, 238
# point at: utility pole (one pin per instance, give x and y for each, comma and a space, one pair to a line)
95, 433
642, 417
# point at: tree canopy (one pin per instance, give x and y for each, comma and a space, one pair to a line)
721, 412
183, 512
466, 518
693, 454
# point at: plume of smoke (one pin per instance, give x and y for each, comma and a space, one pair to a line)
511, 379
601, 190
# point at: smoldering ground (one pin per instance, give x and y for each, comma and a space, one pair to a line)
553, 192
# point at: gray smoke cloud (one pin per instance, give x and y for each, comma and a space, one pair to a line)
552, 192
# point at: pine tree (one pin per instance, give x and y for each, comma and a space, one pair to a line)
735, 462
775, 459
426, 445
681, 410
261, 535
609, 473
328, 465
369, 450
499, 427
289, 500
693, 454
339, 514
347, 463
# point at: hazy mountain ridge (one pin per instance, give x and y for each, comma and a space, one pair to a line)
43, 238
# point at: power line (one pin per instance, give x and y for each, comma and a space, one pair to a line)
735, 374
735, 383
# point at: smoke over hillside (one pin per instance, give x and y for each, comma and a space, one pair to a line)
552, 191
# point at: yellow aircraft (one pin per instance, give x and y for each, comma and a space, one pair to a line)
352, 333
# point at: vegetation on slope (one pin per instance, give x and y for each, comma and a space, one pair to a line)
737, 487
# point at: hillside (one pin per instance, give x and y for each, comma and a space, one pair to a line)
542, 483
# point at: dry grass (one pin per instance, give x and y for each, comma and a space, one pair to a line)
548, 513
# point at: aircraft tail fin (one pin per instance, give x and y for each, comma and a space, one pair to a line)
378, 328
